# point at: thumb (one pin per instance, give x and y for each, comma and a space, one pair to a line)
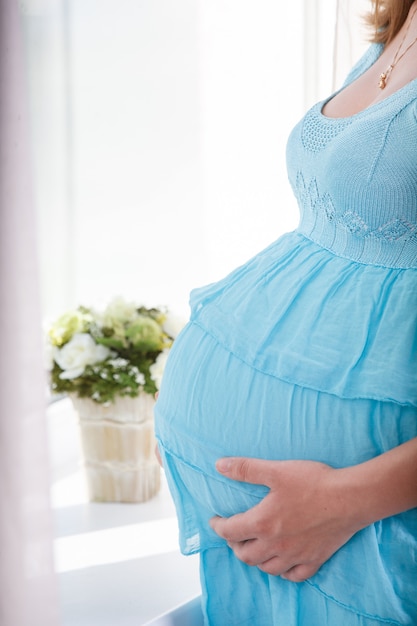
247, 470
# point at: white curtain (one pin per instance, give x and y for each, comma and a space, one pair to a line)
28, 591
351, 37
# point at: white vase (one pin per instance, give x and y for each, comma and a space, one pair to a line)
118, 444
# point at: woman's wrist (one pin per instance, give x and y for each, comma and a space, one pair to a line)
381, 487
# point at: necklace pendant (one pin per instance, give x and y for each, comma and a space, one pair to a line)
382, 81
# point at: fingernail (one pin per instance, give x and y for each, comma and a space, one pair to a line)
224, 465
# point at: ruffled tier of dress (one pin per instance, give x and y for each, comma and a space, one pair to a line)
212, 404
300, 313
297, 354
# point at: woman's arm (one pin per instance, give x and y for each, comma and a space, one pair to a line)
313, 509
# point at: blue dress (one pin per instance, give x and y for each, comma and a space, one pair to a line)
308, 351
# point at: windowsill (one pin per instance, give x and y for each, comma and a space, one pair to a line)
116, 563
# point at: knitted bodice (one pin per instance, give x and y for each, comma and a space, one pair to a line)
332, 305
355, 178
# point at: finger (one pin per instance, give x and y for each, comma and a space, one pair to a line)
237, 528
251, 552
247, 470
275, 566
278, 566
300, 573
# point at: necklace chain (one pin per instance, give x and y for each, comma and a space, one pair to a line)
385, 75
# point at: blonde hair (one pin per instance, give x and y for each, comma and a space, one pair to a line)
386, 18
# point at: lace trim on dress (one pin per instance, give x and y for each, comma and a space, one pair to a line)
397, 229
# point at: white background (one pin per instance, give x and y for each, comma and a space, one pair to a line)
159, 132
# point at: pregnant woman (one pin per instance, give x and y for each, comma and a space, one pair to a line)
299, 371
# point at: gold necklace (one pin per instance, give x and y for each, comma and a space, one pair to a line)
385, 75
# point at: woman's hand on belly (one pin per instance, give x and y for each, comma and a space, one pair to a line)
313, 509
297, 526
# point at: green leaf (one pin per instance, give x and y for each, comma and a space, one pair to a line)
110, 342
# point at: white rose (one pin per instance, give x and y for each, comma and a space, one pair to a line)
119, 311
173, 324
157, 368
79, 352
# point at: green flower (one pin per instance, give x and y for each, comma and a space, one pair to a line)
145, 334
68, 325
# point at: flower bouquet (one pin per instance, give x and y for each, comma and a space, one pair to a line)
110, 363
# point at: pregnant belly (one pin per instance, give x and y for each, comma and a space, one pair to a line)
213, 404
